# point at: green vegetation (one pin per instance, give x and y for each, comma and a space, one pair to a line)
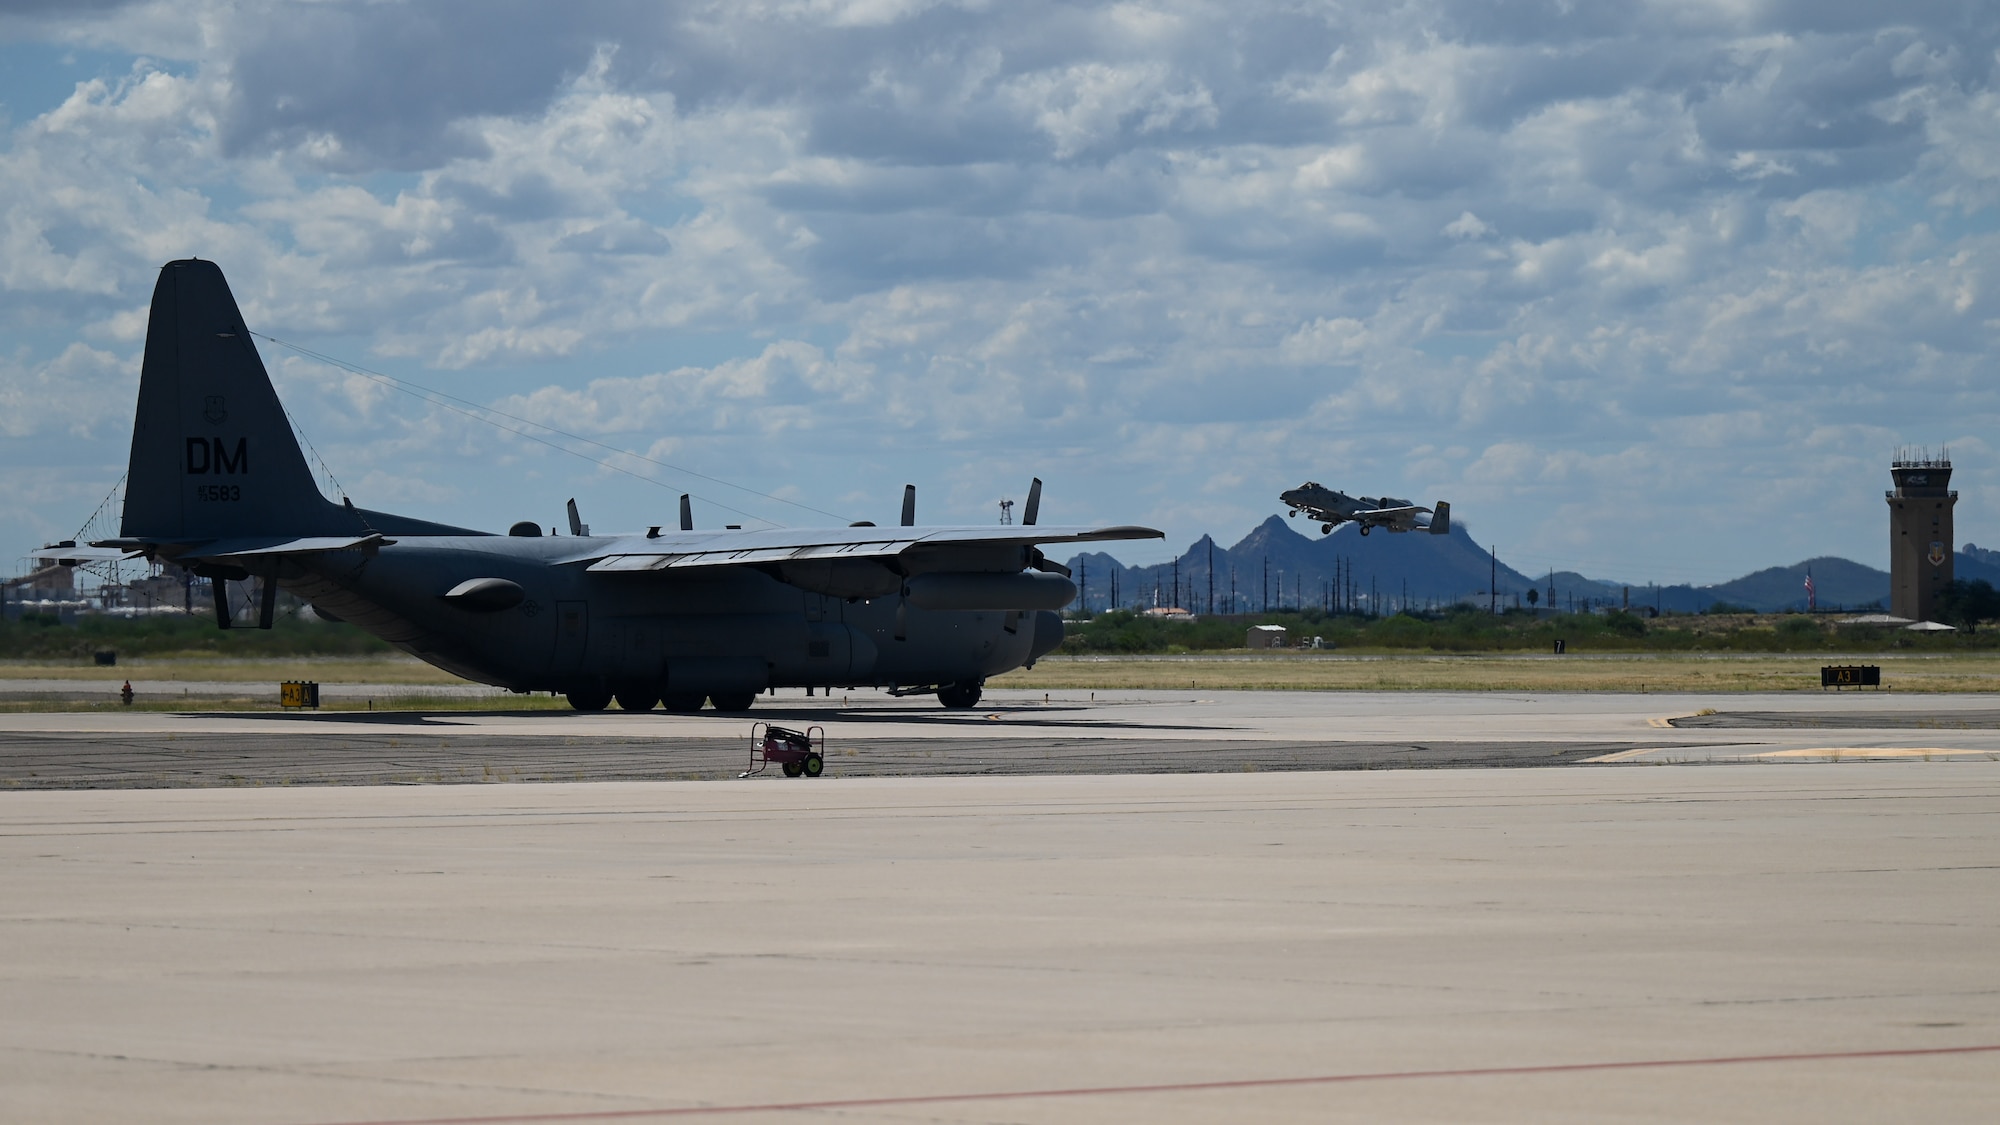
42, 637
1471, 630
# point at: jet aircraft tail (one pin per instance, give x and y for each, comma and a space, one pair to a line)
1441, 519
213, 455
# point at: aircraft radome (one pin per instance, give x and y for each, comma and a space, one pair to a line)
217, 483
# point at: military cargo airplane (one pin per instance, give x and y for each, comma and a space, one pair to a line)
1332, 507
217, 483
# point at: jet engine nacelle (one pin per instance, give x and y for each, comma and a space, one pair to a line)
1027, 590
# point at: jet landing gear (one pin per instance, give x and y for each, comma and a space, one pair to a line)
960, 697
589, 699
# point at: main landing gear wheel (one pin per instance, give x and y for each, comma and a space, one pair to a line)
682, 704
794, 769
959, 697
636, 698
814, 765
589, 699
733, 700
1364, 529
1326, 529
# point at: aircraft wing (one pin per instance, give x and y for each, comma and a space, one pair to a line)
684, 550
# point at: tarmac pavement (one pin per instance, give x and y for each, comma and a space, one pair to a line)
1083, 935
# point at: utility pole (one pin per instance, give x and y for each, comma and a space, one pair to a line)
1211, 577
1492, 580
1177, 583
1083, 586
1267, 584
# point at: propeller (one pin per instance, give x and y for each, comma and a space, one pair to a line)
687, 513
909, 505
903, 614
576, 524
1034, 507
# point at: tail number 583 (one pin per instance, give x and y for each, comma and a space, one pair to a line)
218, 492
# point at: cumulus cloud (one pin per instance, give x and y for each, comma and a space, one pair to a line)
1543, 260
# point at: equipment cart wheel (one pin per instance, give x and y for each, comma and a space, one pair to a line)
814, 765
793, 769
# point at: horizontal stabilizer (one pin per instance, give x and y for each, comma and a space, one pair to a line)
69, 554
256, 547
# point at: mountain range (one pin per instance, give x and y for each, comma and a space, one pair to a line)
1274, 566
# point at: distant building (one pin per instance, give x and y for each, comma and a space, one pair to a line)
1920, 547
1265, 636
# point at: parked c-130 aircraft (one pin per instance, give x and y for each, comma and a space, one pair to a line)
217, 483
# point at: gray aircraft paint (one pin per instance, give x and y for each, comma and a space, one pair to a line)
217, 481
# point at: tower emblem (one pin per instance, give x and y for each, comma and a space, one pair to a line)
1937, 552
215, 410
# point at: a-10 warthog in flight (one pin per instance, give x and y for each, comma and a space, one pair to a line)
1332, 507
217, 483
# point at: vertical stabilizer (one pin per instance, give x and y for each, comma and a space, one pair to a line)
212, 453
1441, 519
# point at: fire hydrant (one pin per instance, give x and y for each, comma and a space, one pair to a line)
125, 694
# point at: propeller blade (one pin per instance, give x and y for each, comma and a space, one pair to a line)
576, 526
903, 617
909, 505
687, 513
1034, 507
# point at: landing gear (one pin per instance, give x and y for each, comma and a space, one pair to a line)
1364, 529
633, 697
1326, 529
681, 703
959, 697
589, 699
737, 701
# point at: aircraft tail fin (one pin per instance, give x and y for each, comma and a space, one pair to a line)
213, 454
1441, 519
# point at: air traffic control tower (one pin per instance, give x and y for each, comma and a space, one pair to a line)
1920, 543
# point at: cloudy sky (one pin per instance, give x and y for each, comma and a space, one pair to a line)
1650, 290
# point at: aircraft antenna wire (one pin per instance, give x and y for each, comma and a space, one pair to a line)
479, 412
299, 432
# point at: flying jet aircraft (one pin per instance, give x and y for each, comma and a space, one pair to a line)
217, 483
1332, 507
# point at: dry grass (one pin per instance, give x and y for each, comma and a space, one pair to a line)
1628, 673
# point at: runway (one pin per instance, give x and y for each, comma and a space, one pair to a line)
1049, 919
1010, 734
